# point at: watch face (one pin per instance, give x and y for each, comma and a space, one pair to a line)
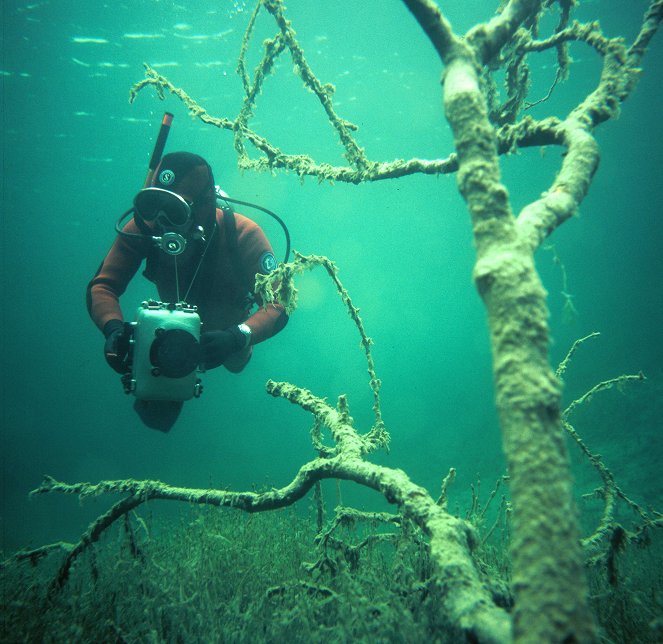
246, 331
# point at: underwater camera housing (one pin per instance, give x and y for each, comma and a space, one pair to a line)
165, 352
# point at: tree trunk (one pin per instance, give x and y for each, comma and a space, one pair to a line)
548, 580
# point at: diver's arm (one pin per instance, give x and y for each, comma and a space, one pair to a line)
112, 278
266, 322
252, 246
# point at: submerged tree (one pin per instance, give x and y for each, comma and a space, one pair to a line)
548, 578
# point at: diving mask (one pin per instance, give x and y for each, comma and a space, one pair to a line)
172, 215
166, 209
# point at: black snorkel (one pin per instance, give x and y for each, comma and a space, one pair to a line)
159, 146
157, 153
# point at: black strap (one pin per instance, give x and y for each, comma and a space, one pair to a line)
142, 226
230, 228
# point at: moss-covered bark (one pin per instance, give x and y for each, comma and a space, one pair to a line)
551, 595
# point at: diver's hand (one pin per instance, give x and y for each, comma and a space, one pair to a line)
218, 345
116, 348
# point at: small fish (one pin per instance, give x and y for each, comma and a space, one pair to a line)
193, 36
83, 114
200, 37
212, 63
80, 62
170, 64
84, 40
34, 5
139, 36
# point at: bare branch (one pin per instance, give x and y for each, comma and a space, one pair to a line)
301, 164
540, 218
650, 24
435, 26
567, 359
443, 499
286, 295
488, 39
601, 386
610, 492
353, 153
34, 555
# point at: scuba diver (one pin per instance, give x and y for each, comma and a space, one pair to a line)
199, 252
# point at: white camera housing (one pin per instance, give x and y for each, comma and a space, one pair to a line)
152, 320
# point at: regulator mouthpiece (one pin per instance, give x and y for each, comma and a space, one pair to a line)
172, 243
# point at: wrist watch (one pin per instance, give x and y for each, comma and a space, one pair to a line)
245, 330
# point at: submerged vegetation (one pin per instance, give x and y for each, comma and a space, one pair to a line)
224, 576
217, 575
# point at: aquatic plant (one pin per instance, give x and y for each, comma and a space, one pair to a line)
548, 578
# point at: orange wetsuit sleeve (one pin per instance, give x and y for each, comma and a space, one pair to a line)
253, 249
113, 276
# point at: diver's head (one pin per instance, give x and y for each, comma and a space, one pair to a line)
187, 174
181, 197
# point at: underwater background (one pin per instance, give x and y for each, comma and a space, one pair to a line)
75, 152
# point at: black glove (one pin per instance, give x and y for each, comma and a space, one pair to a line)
116, 349
218, 345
